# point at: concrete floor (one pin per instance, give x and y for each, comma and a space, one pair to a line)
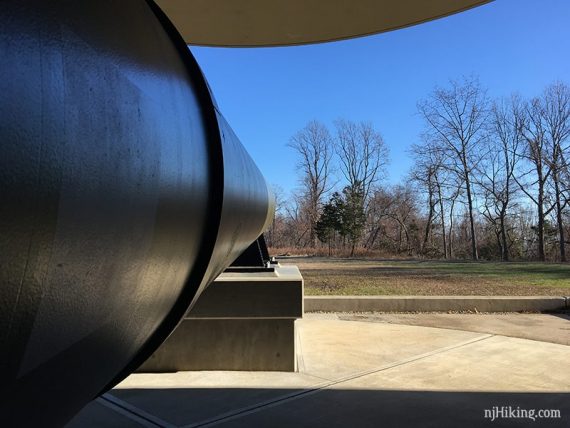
553, 328
368, 371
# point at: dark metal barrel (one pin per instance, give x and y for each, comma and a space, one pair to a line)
123, 193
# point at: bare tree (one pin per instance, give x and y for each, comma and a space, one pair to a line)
362, 153
298, 221
555, 113
314, 147
427, 173
496, 171
403, 212
533, 180
453, 197
395, 211
379, 207
455, 119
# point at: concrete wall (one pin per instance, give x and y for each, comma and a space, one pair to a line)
433, 303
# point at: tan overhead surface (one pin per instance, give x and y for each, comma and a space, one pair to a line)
292, 22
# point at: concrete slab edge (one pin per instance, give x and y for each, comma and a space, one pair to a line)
435, 303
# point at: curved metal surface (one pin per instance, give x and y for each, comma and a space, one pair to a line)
293, 22
123, 193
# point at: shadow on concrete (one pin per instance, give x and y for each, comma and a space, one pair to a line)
564, 314
267, 407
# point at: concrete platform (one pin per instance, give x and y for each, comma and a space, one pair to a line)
242, 321
361, 374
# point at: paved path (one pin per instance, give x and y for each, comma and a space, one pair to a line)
360, 374
553, 328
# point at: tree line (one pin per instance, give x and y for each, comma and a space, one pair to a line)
490, 180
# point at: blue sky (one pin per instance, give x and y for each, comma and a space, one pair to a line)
267, 94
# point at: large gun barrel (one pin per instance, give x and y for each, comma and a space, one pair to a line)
124, 192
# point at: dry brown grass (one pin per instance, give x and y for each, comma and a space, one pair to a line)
416, 277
